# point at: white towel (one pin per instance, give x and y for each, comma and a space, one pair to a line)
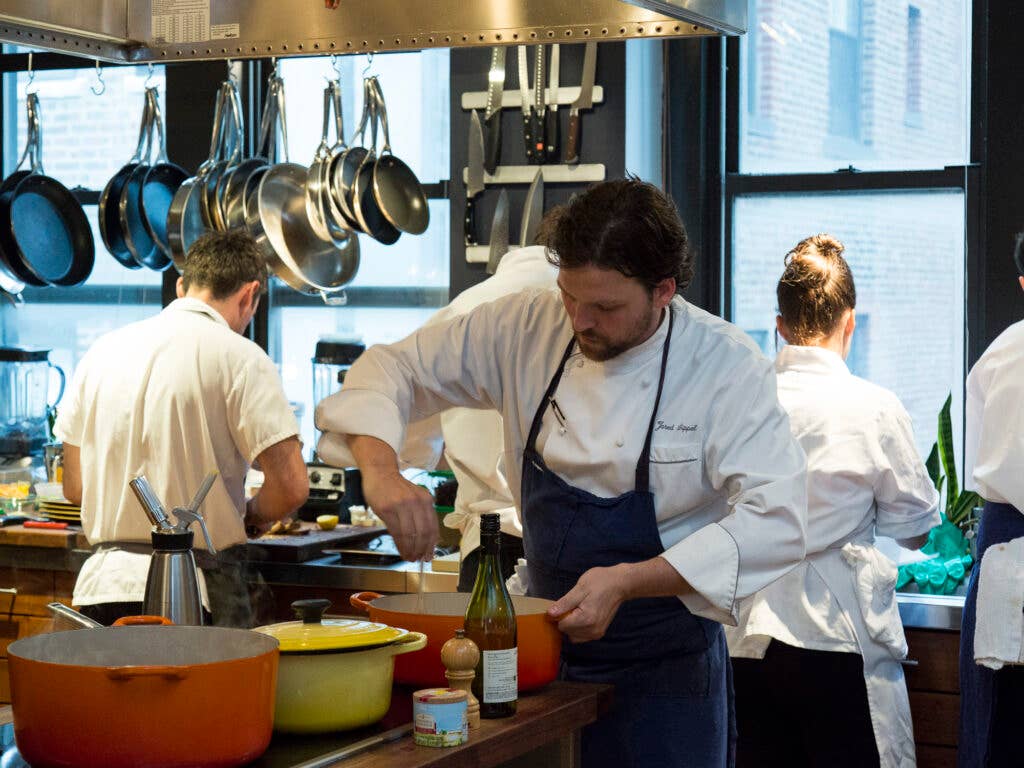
999, 629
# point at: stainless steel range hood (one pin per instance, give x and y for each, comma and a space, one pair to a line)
180, 30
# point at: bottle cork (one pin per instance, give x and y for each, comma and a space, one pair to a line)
460, 656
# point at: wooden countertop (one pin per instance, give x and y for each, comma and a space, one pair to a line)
542, 717
19, 536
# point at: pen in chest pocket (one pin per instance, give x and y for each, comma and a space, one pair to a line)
559, 416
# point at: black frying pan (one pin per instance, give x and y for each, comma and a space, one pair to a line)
110, 201
52, 234
8, 245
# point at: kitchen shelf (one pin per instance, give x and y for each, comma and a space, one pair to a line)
524, 174
566, 95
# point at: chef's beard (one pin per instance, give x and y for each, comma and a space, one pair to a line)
600, 348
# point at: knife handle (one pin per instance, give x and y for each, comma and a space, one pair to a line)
551, 127
528, 134
537, 133
469, 222
572, 153
492, 141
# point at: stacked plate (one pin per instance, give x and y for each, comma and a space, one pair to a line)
60, 510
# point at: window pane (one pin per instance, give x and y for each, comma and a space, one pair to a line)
835, 83
86, 138
416, 90
906, 251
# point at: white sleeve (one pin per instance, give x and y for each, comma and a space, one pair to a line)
70, 422
259, 415
998, 423
906, 500
750, 456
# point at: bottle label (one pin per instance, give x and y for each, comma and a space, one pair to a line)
501, 677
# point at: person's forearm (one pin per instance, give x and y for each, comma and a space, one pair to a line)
373, 455
652, 578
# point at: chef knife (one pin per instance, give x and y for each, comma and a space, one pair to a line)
499, 233
526, 99
551, 118
539, 108
584, 101
492, 113
474, 176
533, 211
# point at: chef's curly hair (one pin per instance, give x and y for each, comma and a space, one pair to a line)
627, 225
223, 262
815, 289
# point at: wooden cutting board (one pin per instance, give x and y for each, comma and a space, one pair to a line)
299, 548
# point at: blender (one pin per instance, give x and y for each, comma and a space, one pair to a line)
331, 489
25, 409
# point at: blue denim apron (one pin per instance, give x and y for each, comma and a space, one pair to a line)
988, 697
673, 688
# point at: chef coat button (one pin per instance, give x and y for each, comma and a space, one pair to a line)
579, 364
620, 442
645, 383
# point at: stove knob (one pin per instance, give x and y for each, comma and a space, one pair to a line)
336, 478
314, 477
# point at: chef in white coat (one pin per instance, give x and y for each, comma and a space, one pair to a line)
816, 654
992, 701
653, 466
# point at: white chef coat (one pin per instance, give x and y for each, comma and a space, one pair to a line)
994, 444
864, 475
474, 440
172, 397
728, 479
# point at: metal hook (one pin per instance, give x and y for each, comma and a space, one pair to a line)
231, 72
99, 77
149, 76
335, 66
274, 63
31, 75
369, 63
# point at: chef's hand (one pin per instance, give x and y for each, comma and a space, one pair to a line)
587, 609
406, 509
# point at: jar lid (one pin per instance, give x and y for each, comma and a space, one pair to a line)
313, 633
337, 352
21, 355
439, 696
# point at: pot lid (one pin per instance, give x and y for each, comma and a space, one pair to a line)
313, 633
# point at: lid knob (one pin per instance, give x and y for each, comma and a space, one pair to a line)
311, 611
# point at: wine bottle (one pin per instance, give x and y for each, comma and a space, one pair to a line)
491, 624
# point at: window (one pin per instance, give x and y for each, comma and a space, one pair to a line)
86, 139
844, 69
836, 78
914, 64
399, 286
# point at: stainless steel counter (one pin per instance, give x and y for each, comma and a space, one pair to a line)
330, 572
930, 611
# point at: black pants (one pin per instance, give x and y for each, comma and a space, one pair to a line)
798, 707
511, 551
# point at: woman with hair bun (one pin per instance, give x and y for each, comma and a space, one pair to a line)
816, 655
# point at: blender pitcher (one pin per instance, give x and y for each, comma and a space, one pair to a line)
24, 400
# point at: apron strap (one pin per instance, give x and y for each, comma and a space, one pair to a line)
643, 465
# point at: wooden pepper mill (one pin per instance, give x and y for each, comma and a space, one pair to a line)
460, 656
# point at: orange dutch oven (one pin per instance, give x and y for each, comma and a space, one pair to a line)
143, 695
441, 613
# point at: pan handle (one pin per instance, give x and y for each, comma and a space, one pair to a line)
339, 120
414, 641
142, 621
158, 125
362, 600
282, 121
382, 114
166, 671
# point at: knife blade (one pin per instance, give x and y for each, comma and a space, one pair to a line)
533, 211
584, 101
499, 233
526, 103
551, 118
539, 108
492, 114
474, 176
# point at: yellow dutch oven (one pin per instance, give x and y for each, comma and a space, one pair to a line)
334, 674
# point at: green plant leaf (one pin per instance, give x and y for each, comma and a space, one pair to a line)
934, 467
945, 442
967, 501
